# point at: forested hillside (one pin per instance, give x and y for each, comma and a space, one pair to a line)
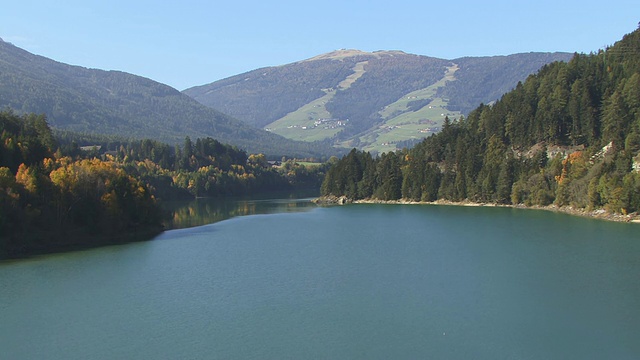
50, 202
485, 79
116, 103
569, 136
260, 96
57, 195
387, 78
365, 99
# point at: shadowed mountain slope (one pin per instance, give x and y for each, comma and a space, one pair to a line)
112, 102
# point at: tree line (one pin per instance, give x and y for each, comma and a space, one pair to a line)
56, 194
568, 135
201, 168
51, 201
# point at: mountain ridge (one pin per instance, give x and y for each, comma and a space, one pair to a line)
113, 102
345, 53
277, 94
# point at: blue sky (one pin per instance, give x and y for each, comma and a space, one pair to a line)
190, 43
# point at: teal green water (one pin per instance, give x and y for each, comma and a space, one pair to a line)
351, 282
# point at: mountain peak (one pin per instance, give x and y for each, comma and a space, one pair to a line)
348, 53
339, 54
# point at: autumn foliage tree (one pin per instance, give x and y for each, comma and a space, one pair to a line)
49, 203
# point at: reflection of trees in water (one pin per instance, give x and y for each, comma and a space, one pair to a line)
207, 211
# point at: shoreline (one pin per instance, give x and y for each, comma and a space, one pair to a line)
599, 214
75, 240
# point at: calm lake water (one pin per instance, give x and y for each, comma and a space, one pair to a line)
351, 282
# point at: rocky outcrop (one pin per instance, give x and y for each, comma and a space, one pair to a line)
332, 200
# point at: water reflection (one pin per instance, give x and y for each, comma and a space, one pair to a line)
202, 211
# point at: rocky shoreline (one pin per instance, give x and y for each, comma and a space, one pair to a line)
596, 214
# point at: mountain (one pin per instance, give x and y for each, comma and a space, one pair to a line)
568, 136
112, 102
371, 100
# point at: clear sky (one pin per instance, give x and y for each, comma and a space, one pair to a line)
189, 42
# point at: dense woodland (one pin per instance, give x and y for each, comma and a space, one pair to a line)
55, 194
569, 135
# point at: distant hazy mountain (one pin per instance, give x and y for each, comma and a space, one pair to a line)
375, 101
113, 102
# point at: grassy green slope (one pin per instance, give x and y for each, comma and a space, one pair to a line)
374, 101
313, 121
415, 116
261, 96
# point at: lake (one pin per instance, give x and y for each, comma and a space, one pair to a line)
297, 281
